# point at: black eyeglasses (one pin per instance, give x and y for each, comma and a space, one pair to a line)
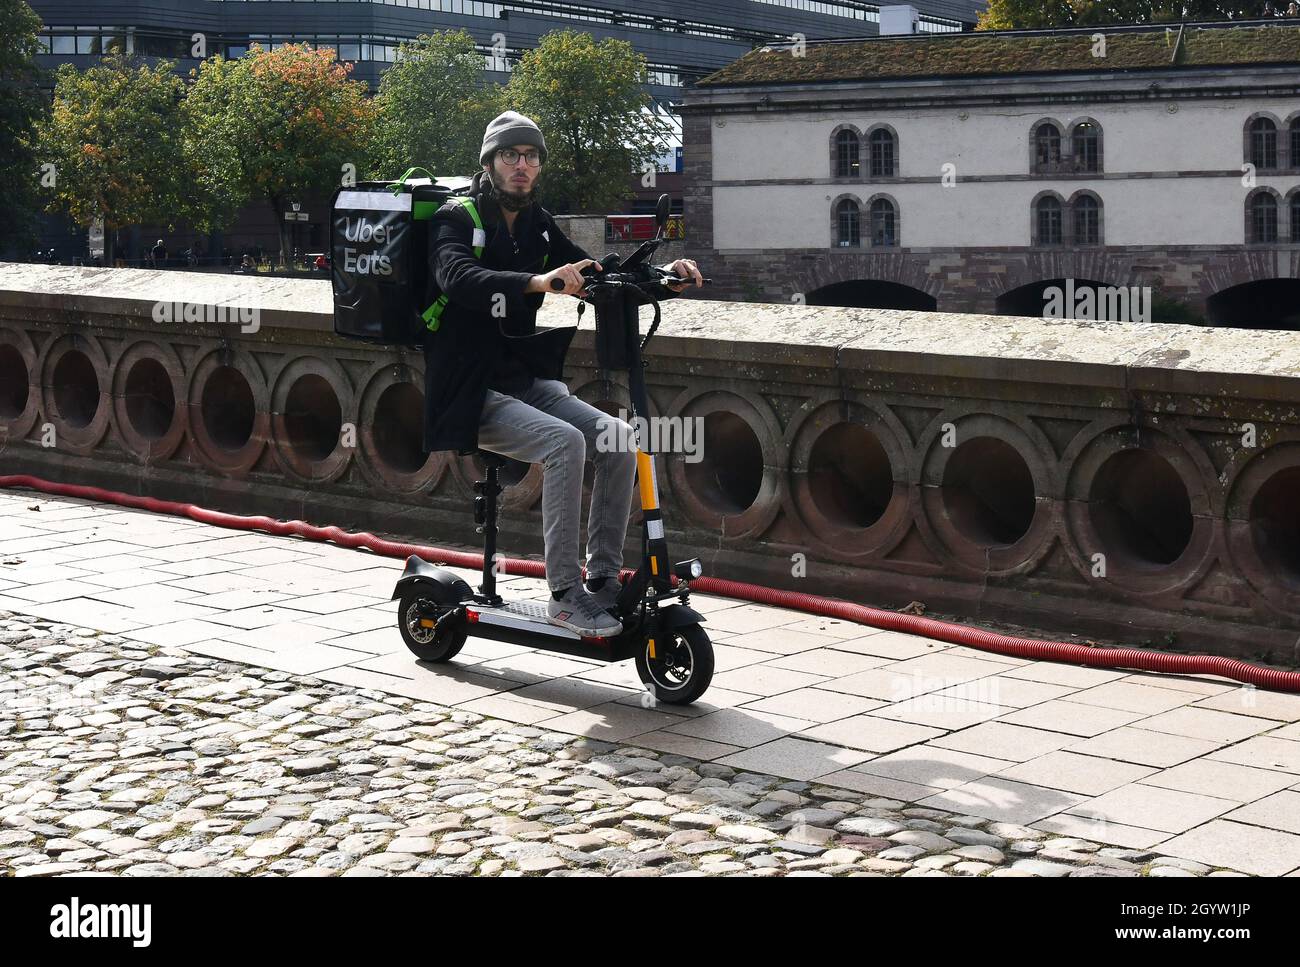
531, 158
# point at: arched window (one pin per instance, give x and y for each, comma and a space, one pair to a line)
1262, 223
1087, 220
1047, 213
847, 149
1085, 143
883, 153
1295, 143
1263, 144
884, 224
1295, 217
848, 228
1047, 148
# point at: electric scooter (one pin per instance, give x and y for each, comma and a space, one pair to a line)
438, 610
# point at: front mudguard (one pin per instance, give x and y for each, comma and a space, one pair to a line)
676, 615
428, 581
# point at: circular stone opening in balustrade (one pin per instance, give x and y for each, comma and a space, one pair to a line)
729, 472
1275, 525
13, 383
1140, 509
227, 408
850, 480
76, 389
398, 429
313, 417
150, 401
988, 492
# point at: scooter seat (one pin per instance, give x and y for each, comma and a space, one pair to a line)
510, 471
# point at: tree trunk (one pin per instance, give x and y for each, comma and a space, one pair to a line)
277, 206
110, 250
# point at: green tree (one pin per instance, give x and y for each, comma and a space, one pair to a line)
21, 107
1029, 14
113, 137
432, 107
588, 101
275, 125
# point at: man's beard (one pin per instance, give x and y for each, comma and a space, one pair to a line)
511, 201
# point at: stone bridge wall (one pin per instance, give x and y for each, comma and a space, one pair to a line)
1105, 479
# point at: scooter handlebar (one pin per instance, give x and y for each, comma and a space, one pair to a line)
557, 284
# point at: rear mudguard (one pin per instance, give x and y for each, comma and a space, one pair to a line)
429, 581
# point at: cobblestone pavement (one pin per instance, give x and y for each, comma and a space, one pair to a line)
122, 757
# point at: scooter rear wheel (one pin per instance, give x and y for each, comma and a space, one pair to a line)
438, 644
682, 666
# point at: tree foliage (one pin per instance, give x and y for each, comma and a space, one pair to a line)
276, 125
1032, 14
114, 144
587, 99
21, 108
432, 107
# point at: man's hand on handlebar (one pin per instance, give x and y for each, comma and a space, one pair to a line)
689, 272
566, 279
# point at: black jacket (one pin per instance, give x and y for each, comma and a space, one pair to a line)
473, 348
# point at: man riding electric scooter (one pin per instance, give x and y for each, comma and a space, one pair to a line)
494, 382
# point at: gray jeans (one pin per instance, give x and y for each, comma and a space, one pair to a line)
546, 425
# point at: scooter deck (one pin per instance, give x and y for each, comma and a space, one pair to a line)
527, 623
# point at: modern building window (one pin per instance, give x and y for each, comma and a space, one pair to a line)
1049, 221
847, 150
884, 153
1085, 144
1263, 144
848, 228
884, 224
1261, 221
1047, 148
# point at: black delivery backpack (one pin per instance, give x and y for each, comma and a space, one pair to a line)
379, 248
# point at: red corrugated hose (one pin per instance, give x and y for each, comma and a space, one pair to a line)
1029, 648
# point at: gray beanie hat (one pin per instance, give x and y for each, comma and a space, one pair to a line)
509, 129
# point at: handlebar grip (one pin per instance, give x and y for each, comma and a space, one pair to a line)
588, 274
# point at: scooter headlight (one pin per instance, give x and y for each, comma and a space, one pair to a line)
688, 570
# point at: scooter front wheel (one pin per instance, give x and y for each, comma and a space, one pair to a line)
433, 632
676, 666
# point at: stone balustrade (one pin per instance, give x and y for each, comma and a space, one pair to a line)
1139, 482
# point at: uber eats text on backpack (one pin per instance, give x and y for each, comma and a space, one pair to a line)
371, 257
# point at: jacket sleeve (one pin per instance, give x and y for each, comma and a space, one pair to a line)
464, 279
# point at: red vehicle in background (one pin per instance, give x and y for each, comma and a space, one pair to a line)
638, 228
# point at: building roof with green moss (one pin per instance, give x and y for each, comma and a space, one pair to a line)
1010, 53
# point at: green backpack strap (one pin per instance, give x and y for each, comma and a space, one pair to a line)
433, 315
